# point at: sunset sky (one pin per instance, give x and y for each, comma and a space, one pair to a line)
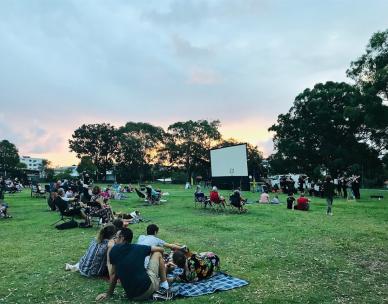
65, 63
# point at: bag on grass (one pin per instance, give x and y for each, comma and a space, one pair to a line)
67, 225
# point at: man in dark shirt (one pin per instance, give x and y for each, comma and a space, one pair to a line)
128, 265
328, 190
290, 201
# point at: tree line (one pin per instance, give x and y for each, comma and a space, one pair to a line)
140, 151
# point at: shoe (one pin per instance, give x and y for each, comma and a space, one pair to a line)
67, 267
163, 294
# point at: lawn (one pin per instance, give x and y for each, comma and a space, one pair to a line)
287, 256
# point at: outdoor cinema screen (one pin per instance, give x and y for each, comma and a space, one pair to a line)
229, 161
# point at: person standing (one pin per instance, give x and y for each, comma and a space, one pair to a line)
328, 190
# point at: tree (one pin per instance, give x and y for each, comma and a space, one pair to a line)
86, 165
145, 141
370, 71
99, 142
328, 127
9, 157
188, 144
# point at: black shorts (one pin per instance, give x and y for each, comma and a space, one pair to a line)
72, 212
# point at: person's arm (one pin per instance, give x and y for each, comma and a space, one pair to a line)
108, 264
112, 286
157, 249
172, 246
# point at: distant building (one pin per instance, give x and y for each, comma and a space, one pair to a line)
32, 163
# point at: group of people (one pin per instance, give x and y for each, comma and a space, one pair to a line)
80, 198
144, 269
214, 198
347, 186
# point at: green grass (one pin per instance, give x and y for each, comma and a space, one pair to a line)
287, 256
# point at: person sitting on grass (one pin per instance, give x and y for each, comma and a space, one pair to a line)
151, 240
264, 198
275, 200
290, 201
67, 208
128, 265
302, 203
196, 267
94, 261
216, 198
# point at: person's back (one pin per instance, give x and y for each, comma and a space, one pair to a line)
129, 262
264, 198
328, 189
302, 203
61, 204
93, 263
290, 202
214, 197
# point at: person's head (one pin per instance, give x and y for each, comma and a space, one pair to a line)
118, 223
125, 235
214, 188
152, 229
96, 190
302, 194
328, 178
106, 233
179, 258
61, 192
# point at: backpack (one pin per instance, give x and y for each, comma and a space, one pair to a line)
67, 225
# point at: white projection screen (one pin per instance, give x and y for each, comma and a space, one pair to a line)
229, 161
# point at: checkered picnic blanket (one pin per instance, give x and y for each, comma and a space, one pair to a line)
220, 282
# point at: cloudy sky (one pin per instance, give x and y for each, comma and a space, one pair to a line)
65, 63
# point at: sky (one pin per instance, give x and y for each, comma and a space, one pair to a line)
66, 63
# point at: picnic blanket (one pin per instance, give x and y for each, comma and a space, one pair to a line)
219, 282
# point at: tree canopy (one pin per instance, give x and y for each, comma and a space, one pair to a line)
98, 141
9, 157
338, 127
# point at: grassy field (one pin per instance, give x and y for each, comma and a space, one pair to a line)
287, 256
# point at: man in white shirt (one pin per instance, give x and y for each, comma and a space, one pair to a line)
151, 240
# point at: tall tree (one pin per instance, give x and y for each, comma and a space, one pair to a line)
370, 72
328, 127
98, 141
145, 141
9, 157
188, 144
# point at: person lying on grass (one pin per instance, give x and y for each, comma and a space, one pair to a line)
94, 261
151, 240
196, 267
128, 265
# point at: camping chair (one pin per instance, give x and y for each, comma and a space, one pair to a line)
36, 193
201, 199
234, 201
140, 194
